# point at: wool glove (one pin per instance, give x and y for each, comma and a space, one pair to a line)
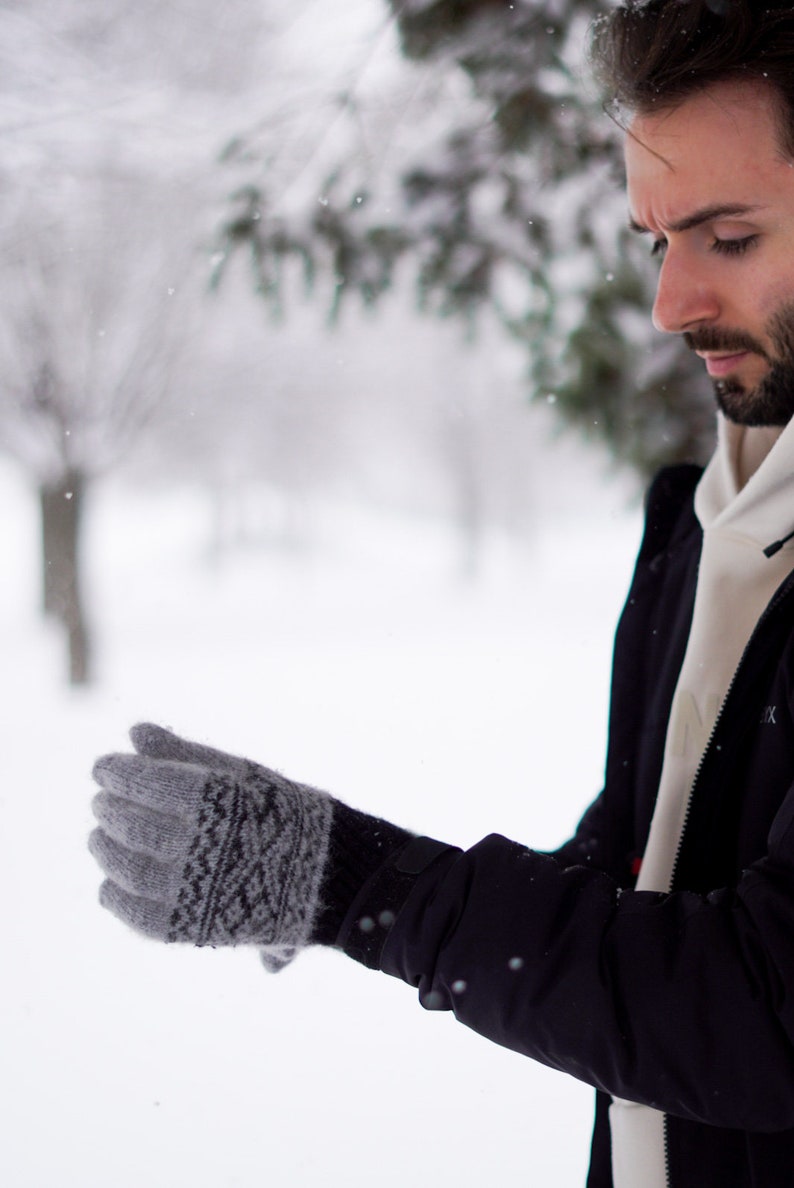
204, 847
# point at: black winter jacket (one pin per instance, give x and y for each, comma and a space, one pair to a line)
683, 1002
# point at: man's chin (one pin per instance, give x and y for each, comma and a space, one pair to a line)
763, 407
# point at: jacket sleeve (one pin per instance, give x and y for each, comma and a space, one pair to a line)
682, 1002
586, 848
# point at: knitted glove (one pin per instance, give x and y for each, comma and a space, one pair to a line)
204, 847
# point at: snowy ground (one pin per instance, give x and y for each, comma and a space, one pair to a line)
368, 669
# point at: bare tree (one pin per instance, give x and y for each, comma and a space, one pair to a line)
109, 122
92, 324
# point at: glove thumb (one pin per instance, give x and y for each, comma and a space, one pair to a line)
157, 743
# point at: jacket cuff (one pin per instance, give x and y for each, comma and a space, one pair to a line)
375, 909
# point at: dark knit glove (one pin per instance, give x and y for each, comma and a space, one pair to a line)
204, 847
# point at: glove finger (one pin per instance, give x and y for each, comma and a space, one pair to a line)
276, 957
137, 873
144, 915
140, 828
157, 743
174, 788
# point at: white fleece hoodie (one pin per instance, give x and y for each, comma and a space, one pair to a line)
744, 502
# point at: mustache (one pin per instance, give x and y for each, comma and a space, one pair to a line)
711, 338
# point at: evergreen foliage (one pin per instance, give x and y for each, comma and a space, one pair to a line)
496, 176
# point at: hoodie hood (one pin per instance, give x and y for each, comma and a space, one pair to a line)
747, 490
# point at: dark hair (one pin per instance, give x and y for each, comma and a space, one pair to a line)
650, 55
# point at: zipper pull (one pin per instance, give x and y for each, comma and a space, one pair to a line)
770, 550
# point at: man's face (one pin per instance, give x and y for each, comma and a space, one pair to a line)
711, 186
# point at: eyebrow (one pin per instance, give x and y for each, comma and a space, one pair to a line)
706, 215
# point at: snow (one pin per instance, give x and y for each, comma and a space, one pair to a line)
365, 666
369, 668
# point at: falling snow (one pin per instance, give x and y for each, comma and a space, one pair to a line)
366, 669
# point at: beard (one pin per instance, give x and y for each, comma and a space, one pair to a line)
771, 401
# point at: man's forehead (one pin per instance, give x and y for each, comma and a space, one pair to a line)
733, 118
714, 155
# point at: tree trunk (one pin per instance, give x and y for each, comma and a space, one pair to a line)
61, 518
460, 446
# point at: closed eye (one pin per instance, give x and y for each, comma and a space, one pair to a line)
723, 247
733, 247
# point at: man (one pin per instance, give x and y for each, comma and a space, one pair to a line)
653, 955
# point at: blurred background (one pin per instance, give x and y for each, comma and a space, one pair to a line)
328, 393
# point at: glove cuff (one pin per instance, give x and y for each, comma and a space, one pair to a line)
300, 897
359, 845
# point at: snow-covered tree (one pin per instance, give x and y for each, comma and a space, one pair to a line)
486, 162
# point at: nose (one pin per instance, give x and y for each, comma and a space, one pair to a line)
684, 296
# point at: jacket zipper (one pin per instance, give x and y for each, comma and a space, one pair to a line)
779, 596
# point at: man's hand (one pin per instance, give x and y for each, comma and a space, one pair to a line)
205, 847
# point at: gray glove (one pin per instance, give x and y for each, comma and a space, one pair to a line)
204, 847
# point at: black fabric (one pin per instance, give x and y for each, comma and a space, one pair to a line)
358, 847
684, 1002
374, 911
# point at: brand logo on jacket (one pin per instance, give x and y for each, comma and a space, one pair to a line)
691, 723
769, 716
